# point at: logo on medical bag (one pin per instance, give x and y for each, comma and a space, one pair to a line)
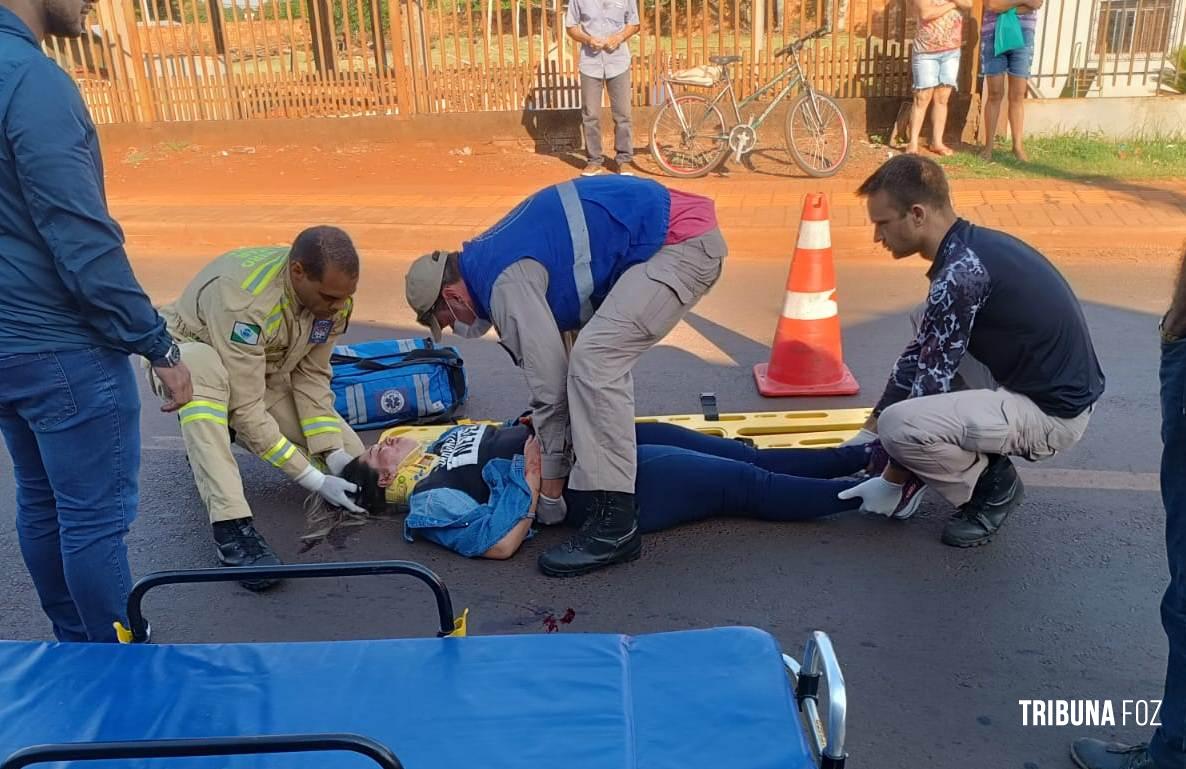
392, 401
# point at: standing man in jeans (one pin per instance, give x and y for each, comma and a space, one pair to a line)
1167, 750
72, 313
602, 27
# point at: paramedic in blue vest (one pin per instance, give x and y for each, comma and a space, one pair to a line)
602, 27
621, 260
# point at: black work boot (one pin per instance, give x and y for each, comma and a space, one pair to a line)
239, 544
997, 493
608, 535
1090, 753
581, 505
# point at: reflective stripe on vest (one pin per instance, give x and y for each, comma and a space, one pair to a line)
582, 255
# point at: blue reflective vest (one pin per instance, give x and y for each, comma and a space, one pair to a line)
586, 232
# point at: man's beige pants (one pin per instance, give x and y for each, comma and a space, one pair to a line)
642, 308
945, 439
207, 442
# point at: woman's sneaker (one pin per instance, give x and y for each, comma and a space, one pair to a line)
878, 458
912, 493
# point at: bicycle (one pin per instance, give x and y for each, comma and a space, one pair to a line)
689, 136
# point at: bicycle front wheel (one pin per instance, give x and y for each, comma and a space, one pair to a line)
691, 147
817, 136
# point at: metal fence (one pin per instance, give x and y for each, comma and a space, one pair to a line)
1110, 48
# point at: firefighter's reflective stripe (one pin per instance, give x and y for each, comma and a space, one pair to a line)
320, 426
276, 316
200, 410
280, 453
261, 276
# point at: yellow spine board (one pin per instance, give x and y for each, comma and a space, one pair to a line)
767, 429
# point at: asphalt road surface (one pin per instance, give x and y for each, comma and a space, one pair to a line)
937, 644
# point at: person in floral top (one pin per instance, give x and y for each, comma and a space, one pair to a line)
936, 66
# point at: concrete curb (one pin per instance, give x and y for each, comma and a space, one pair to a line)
754, 242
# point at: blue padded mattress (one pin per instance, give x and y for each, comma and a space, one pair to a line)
701, 699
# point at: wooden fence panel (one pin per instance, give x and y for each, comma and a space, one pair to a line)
185, 60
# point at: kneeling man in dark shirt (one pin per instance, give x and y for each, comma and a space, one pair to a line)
994, 299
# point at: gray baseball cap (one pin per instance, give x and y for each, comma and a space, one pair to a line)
423, 288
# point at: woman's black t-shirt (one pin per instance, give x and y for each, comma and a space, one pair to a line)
464, 452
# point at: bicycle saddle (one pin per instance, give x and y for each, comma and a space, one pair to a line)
724, 59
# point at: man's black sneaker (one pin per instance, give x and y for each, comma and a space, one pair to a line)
239, 544
998, 492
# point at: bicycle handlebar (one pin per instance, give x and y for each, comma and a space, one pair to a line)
798, 44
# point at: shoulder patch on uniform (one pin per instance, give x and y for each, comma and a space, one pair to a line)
321, 330
245, 333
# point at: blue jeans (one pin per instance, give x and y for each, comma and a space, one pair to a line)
1168, 746
1016, 63
684, 476
71, 421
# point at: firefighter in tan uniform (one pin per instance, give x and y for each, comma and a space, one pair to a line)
256, 328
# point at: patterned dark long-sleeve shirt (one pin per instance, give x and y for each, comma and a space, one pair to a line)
994, 297
929, 363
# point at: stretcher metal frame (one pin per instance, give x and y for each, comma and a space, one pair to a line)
214, 746
450, 626
827, 736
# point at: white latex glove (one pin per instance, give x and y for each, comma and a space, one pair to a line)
550, 511
337, 460
877, 495
863, 436
331, 488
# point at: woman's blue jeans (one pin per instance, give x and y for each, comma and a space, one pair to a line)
684, 476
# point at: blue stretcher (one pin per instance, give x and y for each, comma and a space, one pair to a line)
700, 699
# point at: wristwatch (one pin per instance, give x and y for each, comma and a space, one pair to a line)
171, 359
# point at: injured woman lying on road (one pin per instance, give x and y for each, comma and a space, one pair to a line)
474, 489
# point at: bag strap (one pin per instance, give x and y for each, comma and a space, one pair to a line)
403, 359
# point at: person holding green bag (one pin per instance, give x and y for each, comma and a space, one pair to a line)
1006, 48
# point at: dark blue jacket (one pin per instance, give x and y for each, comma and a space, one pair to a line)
65, 280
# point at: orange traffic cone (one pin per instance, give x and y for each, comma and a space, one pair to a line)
806, 358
